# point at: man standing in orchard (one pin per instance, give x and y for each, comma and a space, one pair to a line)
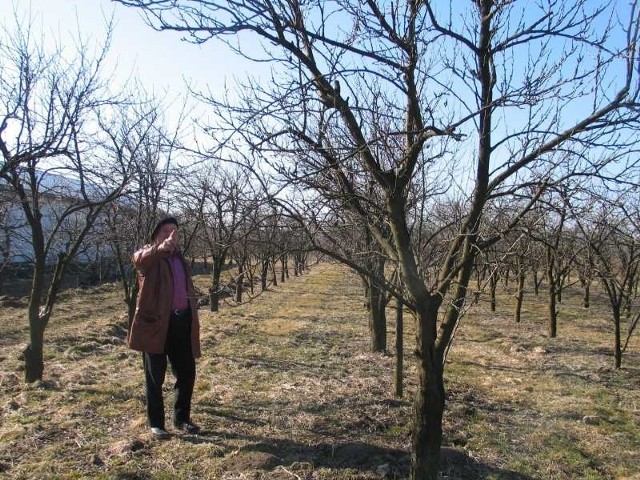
165, 325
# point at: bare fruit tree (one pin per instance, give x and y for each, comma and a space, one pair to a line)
610, 227
53, 109
214, 198
140, 138
492, 98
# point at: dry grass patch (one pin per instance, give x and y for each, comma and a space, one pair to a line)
545, 408
286, 389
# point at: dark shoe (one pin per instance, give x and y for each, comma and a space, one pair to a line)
160, 433
187, 427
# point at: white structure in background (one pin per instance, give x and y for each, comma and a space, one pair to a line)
57, 194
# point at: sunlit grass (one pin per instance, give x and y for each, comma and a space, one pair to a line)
287, 388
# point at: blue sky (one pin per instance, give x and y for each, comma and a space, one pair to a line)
160, 60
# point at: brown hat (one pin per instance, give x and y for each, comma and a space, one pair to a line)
162, 222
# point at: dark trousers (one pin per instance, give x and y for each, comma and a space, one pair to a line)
183, 366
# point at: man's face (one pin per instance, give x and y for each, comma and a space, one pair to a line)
165, 232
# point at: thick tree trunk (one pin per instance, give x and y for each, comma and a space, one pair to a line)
429, 401
378, 326
375, 304
586, 297
33, 353
214, 300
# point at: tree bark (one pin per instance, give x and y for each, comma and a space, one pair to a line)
34, 352
429, 401
264, 271
552, 327
552, 321
284, 273
617, 347
520, 295
274, 274
214, 290
239, 286
586, 298
214, 300
399, 349
559, 291
536, 283
376, 303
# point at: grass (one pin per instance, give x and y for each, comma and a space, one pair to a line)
287, 389
546, 408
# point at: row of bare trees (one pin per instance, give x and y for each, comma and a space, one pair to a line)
69, 146
370, 103
231, 231
405, 139
577, 238
86, 173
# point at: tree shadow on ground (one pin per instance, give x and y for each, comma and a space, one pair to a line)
456, 464
266, 457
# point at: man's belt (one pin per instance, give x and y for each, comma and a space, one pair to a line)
180, 313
